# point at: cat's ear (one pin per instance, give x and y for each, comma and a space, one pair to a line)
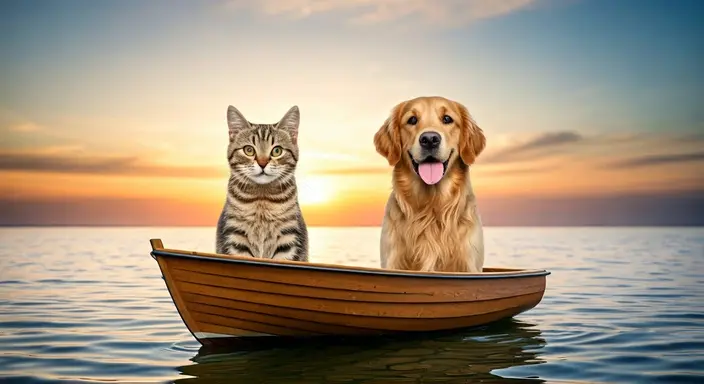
235, 121
290, 123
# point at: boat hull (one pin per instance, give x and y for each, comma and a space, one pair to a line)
222, 297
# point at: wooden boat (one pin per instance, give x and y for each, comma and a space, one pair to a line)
222, 298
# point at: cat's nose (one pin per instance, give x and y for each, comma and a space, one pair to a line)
262, 161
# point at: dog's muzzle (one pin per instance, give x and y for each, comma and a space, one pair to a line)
430, 169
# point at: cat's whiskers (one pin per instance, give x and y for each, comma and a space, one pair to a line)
285, 183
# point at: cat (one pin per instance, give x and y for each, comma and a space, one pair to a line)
261, 216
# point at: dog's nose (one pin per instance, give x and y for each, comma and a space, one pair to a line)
430, 140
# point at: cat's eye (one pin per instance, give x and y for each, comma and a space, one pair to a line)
248, 150
412, 120
447, 119
277, 151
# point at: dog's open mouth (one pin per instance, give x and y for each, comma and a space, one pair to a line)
430, 170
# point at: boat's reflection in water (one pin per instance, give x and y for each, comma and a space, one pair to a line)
457, 357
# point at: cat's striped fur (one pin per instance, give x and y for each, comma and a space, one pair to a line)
261, 216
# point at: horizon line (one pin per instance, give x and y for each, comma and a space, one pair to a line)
354, 226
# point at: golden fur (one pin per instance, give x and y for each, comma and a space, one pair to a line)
431, 227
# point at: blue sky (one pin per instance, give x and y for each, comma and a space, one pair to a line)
623, 60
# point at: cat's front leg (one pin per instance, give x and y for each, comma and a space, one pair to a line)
231, 237
284, 252
291, 240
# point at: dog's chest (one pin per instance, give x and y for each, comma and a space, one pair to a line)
436, 243
435, 230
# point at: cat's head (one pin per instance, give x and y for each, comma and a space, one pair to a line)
263, 153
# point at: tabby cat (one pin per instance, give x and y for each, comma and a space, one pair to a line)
261, 216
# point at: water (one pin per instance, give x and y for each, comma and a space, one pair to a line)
621, 305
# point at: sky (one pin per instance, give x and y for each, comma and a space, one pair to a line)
113, 113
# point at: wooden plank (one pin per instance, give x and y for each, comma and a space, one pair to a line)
276, 320
424, 310
175, 291
341, 292
215, 256
249, 325
438, 290
383, 324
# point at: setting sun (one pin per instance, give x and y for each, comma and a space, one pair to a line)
314, 190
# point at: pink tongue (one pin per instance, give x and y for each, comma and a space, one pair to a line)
431, 173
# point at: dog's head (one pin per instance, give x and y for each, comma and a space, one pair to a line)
431, 134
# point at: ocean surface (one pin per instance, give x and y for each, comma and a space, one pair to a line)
622, 305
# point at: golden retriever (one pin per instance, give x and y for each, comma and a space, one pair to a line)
431, 222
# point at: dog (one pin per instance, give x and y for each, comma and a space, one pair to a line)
431, 222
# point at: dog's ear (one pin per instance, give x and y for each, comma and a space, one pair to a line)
472, 140
387, 139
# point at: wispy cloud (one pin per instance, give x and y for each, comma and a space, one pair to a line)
353, 171
541, 145
13, 122
653, 160
24, 127
550, 139
549, 151
385, 170
99, 165
515, 171
435, 12
610, 148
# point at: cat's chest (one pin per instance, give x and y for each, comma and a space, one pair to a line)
262, 231
262, 235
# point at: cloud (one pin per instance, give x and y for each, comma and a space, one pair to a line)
330, 156
550, 139
99, 165
99, 211
616, 150
13, 122
385, 170
651, 160
561, 149
24, 127
354, 171
544, 144
692, 137
676, 208
515, 171
436, 12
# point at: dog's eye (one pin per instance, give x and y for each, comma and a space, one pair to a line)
412, 120
447, 119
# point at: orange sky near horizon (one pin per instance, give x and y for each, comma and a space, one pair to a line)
352, 195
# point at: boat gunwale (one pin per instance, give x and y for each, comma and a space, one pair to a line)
310, 266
